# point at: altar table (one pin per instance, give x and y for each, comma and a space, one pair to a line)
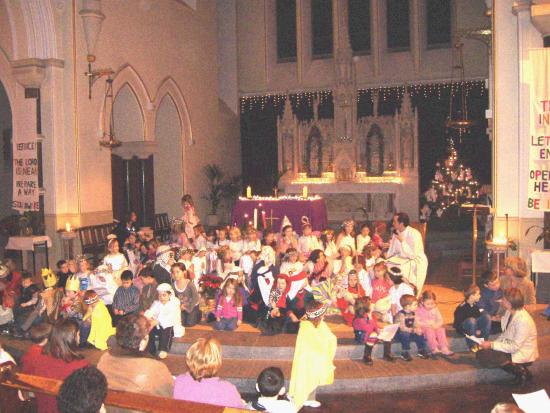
294, 208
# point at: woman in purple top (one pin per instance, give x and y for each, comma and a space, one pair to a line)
200, 384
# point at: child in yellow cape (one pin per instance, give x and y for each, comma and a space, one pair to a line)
313, 357
102, 327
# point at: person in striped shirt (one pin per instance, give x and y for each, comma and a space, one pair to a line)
126, 299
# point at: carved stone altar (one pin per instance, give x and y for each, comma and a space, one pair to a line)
369, 162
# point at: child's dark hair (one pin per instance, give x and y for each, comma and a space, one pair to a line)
470, 290
270, 381
25, 275
200, 228
489, 277
40, 332
365, 225
126, 275
362, 307
406, 300
60, 263
146, 272
427, 295
82, 391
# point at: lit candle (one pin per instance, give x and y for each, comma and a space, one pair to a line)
264, 220
249, 191
255, 218
304, 191
67, 227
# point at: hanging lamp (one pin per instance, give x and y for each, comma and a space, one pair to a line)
458, 114
109, 141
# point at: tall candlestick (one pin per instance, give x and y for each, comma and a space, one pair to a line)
249, 191
255, 218
264, 223
304, 192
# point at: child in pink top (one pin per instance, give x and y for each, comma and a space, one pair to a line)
381, 285
229, 311
431, 322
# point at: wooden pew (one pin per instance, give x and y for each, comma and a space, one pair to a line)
123, 399
162, 227
93, 240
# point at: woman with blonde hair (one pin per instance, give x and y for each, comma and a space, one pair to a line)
201, 384
516, 276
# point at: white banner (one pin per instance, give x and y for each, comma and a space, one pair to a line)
538, 187
25, 176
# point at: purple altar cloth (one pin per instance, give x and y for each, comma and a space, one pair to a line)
294, 209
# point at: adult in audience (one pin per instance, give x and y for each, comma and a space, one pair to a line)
201, 384
516, 275
56, 360
516, 348
128, 366
406, 243
125, 227
83, 391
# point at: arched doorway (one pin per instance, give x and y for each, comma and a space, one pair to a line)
132, 175
6, 160
169, 172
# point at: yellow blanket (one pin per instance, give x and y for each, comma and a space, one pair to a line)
313, 361
102, 327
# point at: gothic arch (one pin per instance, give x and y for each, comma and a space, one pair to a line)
127, 75
314, 153
40, 29
128, 115
170, 87
375, 150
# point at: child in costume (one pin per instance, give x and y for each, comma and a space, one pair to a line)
200, 237
291, 264
363, 238
318, 267
189, 216
114, 259
313, 363
308, 242
347, 236
328, 245
126, 299
381, 286
84, 273
62, 273
346, 297
236, 244
51, 295
399, 289
71, 305
276, 314
165, 316
101, 327
344, 264
187, 294
296, 305
287, 240
251, 241
431, 322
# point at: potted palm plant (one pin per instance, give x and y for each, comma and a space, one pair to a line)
219, 189
544, 234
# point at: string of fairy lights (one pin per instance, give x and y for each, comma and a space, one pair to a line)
254, 102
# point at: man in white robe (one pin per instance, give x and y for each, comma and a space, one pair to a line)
407, 251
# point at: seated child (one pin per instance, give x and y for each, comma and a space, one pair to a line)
251, 241
346, 297
363, 238
62, 273
199, 266
296, 306
84, 273
469, 319
126, 299
366, 330
229, 310
272, 392
187, 295
344, 264
261, 281
431, 322
99, 319
165, 317
308, 242
149, 291
10, 288
236, 244
490, 296
51, 296
276, 311
410, 330
381, 286
399, 289
363, 275
29, 308
200, 237
71, 305
39, 335
291, 264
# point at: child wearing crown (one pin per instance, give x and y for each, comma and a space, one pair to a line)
98, 316
52, 295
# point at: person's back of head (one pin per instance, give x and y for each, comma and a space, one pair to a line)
127, 275
83, 391
506, 408
40, 333
271, 382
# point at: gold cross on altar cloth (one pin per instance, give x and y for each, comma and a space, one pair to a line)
271, 219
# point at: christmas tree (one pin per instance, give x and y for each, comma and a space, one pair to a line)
453, 185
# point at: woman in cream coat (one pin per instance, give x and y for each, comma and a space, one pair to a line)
516, 348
